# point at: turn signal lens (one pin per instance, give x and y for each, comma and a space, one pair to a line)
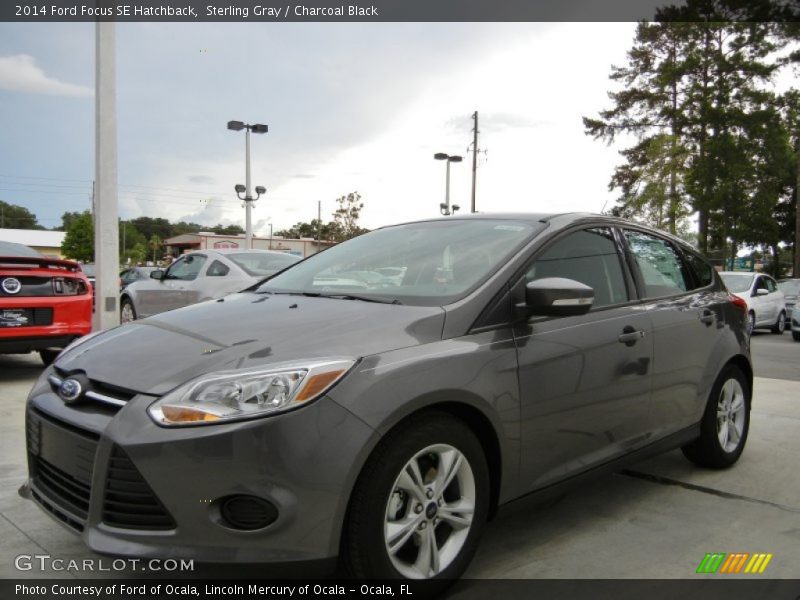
181, 414
317, 384
739, 303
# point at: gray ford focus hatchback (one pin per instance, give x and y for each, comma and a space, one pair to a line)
379, 401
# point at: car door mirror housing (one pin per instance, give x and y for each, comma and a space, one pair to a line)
557, 296
157, 274
761, 292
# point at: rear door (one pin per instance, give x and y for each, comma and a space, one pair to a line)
687, 317
584, 380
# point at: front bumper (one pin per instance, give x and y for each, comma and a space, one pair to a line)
303, 462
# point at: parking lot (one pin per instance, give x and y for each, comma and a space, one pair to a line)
657, 519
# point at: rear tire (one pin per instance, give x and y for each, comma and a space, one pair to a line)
725, 423
780, 325
420, 503
48, 356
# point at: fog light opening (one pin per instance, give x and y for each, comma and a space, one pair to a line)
247, 513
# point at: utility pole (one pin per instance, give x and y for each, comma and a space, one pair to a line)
106, 213
474, 157
796, 266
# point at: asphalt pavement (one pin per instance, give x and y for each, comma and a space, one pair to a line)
657, 519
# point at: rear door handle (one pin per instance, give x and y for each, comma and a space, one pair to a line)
630, 336
707, 317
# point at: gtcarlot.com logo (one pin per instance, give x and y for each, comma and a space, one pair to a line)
736, 562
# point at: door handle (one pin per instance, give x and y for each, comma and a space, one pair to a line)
630, 336
707, 317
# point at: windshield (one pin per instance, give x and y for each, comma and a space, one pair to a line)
737, 282
263, 263
790, 288
88, 270
429, 264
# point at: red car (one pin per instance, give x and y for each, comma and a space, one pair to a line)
45, 303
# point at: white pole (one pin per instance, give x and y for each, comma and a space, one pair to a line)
248, 196
106, 233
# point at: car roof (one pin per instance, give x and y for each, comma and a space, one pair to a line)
224, 251
13, 249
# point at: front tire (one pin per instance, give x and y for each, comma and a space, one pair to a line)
751, 322
796, 336
725, 424
780, 325
420, 503
48, 356
127, 313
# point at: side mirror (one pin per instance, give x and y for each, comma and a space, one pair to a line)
761, 292
157, 274
557, 297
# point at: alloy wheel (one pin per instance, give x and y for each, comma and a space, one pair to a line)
730, 415
429, 512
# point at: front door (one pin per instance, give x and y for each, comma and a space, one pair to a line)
584, 380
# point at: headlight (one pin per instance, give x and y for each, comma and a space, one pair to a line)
247, 393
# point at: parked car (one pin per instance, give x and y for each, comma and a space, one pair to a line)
519, 354
45, 303
791, 292
765, 303
795, 326
131, 274
198, 276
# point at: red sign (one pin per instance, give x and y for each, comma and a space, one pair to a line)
226, 244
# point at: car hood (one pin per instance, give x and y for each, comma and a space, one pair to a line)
245, 330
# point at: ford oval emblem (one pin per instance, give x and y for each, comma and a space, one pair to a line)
11, 285
70, 390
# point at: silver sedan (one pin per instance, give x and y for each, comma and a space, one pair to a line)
198, 276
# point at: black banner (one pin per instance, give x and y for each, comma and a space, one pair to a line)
713, 588
267, 11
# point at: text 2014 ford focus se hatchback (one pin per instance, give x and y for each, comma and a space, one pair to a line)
335, 410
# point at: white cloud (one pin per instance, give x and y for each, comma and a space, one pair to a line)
20, 73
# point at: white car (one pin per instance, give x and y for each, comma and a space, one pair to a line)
766, 306
198, 276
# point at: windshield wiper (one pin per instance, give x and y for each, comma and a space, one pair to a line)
338, 296
359, 297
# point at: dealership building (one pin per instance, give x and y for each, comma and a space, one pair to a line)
45, 242
210, 241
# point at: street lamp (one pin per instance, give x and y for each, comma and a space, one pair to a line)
445, 207
248, 197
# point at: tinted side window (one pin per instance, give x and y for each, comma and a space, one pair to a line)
703, 271
217, 269
659, 264
771, 286
590, 257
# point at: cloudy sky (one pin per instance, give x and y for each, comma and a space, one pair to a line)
349, 106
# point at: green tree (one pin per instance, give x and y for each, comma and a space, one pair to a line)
78, 242
13, 216
347, 215
155, 245
709, 136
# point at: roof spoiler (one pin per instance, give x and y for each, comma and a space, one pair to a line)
42, 262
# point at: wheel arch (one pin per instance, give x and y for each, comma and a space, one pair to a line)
740, 361
475, 419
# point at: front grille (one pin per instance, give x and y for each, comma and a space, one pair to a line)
65, 491
129, 502
62, 463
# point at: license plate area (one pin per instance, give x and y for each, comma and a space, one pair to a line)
16, 317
